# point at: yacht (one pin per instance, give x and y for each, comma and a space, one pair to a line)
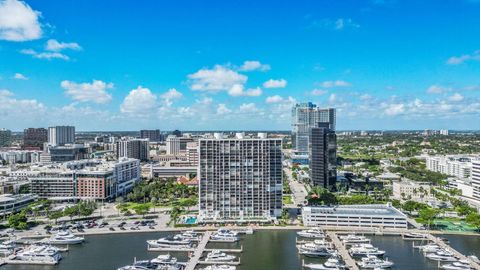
165, 259
442, 256
139, 265
225, 235
414, 236
361, 250
460, 265
147, 265
428, 248
7, 247
330, 264
315, 250
38, 253
176, 241
354, 239
191, 235
311, 233
220, 267
219, 256
373, 262
65, 238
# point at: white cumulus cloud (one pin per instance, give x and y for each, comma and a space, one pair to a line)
219, 78
18, 21
337, 83
223, 109
318, 92
437, 89
88, 92
456, 97
238, 90
394, 109
254, 65
139, 101
45, 55
172, 93
56, 46
20, 76
274, 99
282, 83
457, 60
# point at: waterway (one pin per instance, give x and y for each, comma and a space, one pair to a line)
264, 250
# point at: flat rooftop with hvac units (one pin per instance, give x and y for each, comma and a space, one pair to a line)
371, 215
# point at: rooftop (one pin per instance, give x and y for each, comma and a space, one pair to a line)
357, 210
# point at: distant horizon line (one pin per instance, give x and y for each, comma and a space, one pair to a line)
258, 130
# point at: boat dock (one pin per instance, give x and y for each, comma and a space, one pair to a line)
444, 245
349, 261
192, 263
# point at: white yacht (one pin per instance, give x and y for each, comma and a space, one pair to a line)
373, 262
42, 254
65, 238
7, 247
330, 264
362, 250
220, 267
442, 256
460, 265
191, 235
164, 259
139, 265
414, 236
225, 235
354, 239
219, 256
315, 250
176, 241
311, 233
429, 248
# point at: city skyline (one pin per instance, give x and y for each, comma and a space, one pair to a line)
384, 65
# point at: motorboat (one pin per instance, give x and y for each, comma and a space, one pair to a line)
65, 238
350, 239
219, 256
7, 247
361, 250
176, 241
220, 267
41, 254
191, 235
429, 248
162, 262
315, 250
442, 256
373, 262
225, 235
311, 233
139, 265
330, 264
414, 236
460, 265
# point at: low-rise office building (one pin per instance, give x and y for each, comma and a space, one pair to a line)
12, 203
367, 216
86, 179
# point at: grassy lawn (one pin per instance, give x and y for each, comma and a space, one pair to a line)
287, 199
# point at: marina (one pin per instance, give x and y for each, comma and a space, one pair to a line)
264, 249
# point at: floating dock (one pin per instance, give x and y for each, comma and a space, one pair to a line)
349, 261
444, 245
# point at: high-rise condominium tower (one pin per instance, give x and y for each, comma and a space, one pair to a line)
306, 116
240, 177
323, 156
61, 135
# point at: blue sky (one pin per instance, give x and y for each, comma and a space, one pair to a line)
201, 65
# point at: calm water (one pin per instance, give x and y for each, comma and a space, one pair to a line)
466, 244
264, 250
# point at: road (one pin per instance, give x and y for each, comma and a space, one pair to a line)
298, 189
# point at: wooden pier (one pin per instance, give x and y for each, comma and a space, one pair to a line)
194, 260
444, 245
349, 261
